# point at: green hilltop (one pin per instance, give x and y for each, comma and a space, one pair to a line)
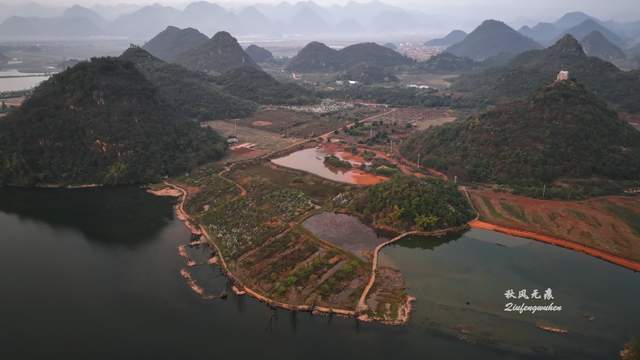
100, 122
562, 131
193, 94
533, 69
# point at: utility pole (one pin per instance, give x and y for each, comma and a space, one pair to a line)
544, 190
235, 128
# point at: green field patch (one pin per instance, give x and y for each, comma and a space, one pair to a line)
630, 217
514, 211
492, 210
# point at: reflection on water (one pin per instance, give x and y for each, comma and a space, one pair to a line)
460, 286
345, 231
73, 297
13, 80
102, 215
312, 160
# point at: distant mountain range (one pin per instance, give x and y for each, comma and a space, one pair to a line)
585, 28
579, 25
214, 80
490, 39
452, 38
142, 22
318, 57
596, 44
532, 69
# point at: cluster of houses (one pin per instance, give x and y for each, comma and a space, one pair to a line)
327, 106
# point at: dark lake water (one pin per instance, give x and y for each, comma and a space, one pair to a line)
94, 274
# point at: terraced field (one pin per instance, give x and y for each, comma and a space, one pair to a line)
254, 214
609, 223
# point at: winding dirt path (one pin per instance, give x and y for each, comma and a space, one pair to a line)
362, 302
238, 284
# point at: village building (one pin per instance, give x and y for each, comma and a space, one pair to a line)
563, 76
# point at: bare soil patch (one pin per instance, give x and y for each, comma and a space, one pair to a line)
299, 124
263, 141
261, 123
610, 224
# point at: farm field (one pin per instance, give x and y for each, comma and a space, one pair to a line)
304, 124
438, 81
263, 141
255, 215
395, 126
609, 223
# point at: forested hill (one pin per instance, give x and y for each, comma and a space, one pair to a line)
259, 54
410, 203
221, 53
535, 68
194, 95
251, 83
317, 57
563, 130
172, 41
100, 122
490, 39
596, 44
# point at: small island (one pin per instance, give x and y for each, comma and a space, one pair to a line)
336, 162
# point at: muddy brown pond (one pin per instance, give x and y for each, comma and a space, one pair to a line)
312, 161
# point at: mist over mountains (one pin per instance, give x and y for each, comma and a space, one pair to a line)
139, 22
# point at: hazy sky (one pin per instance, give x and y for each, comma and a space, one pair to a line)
513, 9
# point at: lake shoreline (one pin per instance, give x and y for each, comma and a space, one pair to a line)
567, 244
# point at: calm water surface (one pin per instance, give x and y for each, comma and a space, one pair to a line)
13, 80
312, 161
94, 274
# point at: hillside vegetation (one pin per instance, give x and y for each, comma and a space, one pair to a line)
194, 95
253, 84
259, 54
173, 41
406, 202
100, 122
596, 44
317, 57
492, 38
563, 130
533, 69
447, 63
221, 53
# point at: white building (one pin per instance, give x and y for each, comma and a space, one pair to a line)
563, 76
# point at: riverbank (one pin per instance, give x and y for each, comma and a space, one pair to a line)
600, 254
238, 286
